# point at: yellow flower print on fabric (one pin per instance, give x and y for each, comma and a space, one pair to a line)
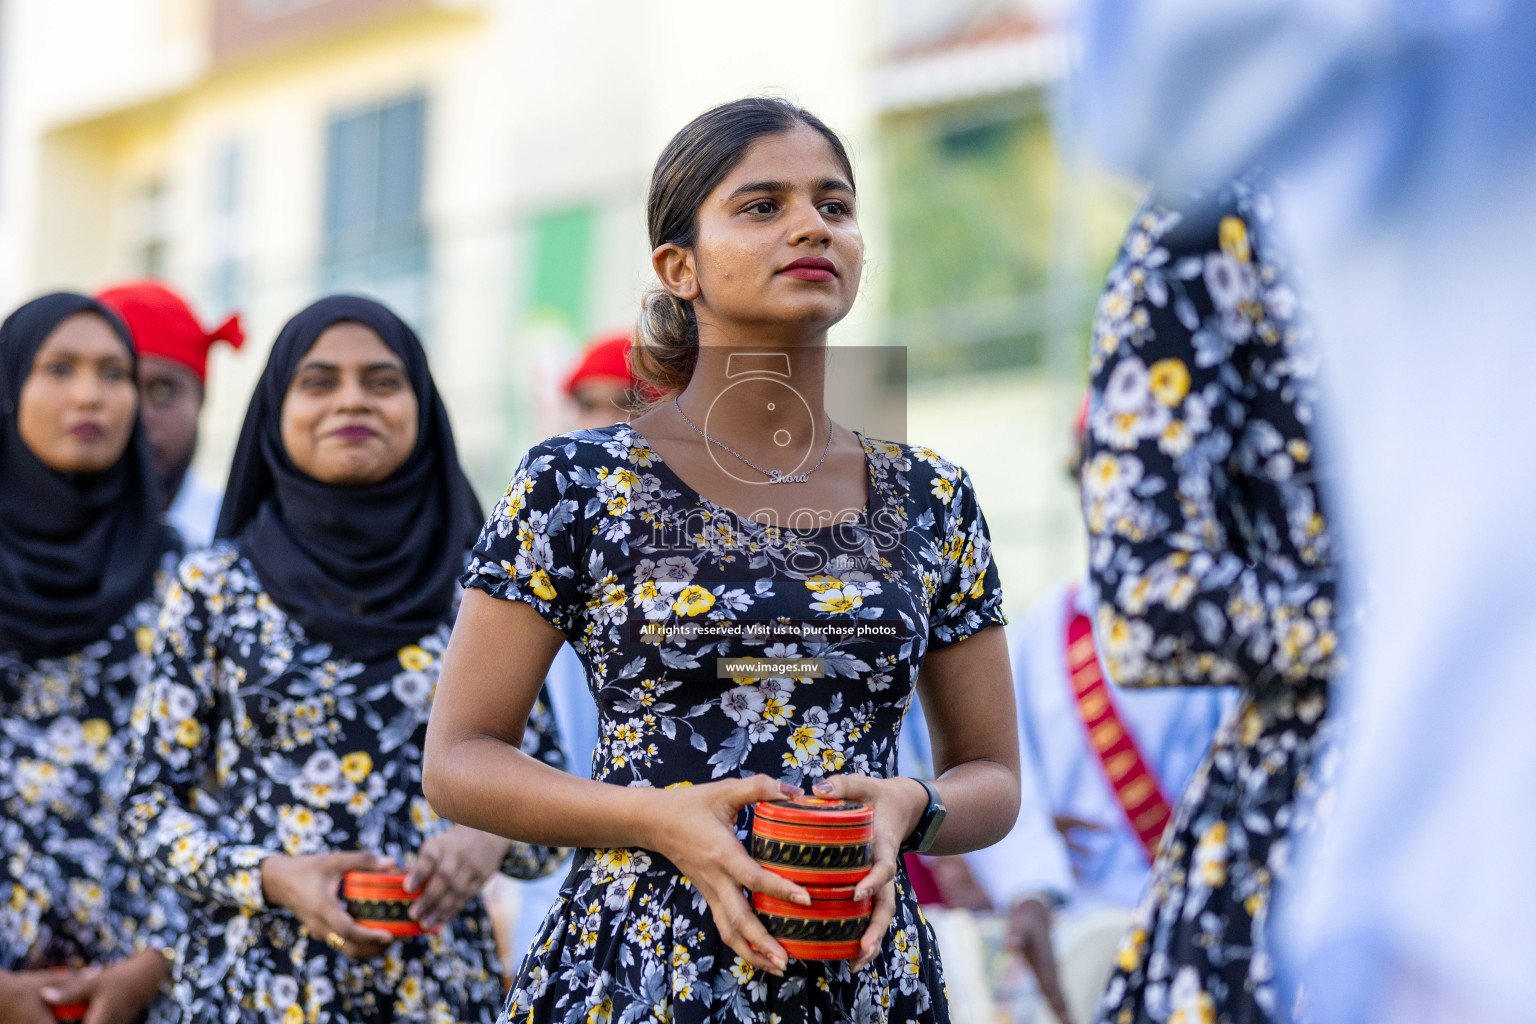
1211, 855
413, 658
539, 583
1233, 237
96, 731
1128, 958
693, 600
1169, 381
357, 765
189, 733
841, 598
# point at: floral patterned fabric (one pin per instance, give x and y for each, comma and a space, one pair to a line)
253, 740
67, 895
1213, 565
599, 536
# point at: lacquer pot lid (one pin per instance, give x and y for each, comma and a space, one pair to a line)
820, 910
841, 835
815, 810
376, 885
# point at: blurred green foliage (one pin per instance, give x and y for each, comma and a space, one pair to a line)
998, 245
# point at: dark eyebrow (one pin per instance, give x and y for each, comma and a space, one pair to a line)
316, 364
824, 185
760, 186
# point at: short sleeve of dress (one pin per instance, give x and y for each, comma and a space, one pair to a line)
530, 547
970, 595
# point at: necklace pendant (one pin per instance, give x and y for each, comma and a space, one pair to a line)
777, 476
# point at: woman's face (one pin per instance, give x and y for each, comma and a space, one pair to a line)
778, 242
350, 414
78, 403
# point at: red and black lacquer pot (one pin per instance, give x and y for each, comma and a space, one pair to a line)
379, 900
825, 930
827, 847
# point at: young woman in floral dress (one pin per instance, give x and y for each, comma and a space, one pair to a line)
294, 670
1213, 565
84, 561
667, 522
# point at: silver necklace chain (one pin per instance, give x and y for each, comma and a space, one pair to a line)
775, 476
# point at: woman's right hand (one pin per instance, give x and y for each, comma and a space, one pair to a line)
310, 887
21, 1000
694, 828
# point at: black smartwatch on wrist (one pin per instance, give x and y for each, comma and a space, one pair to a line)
927, 830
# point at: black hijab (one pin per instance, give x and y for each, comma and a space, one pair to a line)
77, 550
366, 568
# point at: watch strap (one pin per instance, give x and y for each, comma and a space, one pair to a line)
920, 839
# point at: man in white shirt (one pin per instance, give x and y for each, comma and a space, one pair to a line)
1103, 862
1172, 727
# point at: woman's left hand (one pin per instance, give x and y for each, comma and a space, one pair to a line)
898, 804
118, 993
453, 866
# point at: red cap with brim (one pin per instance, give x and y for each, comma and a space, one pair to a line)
164, 325
608, 359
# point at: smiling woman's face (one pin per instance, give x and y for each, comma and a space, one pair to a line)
78, 403
778, 240
349, 417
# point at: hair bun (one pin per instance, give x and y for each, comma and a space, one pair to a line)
666, 341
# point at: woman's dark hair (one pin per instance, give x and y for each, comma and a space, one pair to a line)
690, 167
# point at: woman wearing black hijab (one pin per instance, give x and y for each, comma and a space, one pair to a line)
84, 562
296, 663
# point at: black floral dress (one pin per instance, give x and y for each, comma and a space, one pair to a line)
602, 538
67, 895
1213, 566
252, 740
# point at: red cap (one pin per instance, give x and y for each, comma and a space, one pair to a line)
608, 358
164, 325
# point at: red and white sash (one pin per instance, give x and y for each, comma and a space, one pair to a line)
1133, 781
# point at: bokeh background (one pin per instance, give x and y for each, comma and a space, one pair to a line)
482, 166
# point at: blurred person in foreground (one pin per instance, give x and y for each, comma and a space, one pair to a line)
1212, 565
295, 666
84, 563
173, 374
1407, 136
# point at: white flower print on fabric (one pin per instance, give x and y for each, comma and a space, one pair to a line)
68, 895
1213, 566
